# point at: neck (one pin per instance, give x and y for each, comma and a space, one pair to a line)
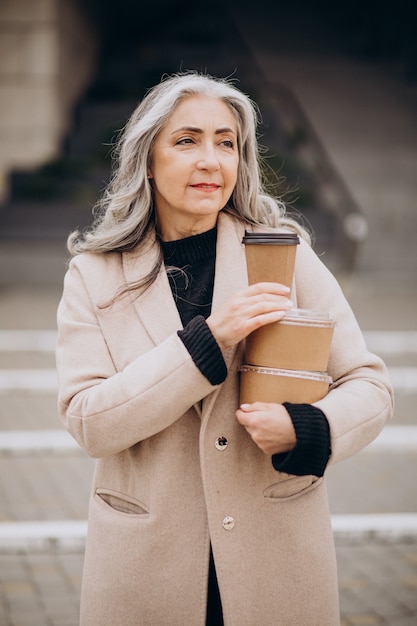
174, 232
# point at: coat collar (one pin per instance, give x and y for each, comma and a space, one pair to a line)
231, 275
156, 307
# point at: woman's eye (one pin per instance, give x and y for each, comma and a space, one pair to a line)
228, 143
184, 141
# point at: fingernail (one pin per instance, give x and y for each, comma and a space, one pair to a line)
244, 407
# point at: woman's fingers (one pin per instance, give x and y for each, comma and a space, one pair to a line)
261, 305
278, 288
248, 310
269, 425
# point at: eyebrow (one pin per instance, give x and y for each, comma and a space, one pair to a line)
193, 129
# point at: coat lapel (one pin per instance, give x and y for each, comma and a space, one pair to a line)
231, 276
155, 307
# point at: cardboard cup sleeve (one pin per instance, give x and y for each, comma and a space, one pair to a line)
270, 256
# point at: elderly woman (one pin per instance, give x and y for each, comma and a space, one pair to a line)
201, 511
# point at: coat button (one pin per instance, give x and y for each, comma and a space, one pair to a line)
221, 443
228, 523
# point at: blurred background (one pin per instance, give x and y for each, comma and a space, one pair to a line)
336, 84
72, 71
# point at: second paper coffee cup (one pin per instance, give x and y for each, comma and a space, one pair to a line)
270, 256
300, 341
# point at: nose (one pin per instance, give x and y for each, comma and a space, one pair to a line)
208, 159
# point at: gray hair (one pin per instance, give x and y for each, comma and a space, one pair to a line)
125, 212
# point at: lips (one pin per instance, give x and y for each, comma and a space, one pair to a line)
206, 186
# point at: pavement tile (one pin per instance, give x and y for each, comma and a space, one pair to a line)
372, 583
17, 299
28, 411
45, 488
376, 583
46, 591
367, 483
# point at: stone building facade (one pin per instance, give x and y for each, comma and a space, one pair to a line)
48, 52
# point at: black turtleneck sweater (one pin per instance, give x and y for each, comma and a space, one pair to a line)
192, 283
190, 265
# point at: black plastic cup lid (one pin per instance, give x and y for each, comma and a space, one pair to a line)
270, 238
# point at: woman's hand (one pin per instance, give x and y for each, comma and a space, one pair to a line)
248, 310
269, 425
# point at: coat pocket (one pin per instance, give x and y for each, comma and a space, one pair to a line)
291, 486
120, 502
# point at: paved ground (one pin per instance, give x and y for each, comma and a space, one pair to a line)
377, 586
364, 119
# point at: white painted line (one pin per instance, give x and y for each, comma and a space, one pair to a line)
47, 441
28, 340
403, 379
65, 535
69, 535
383, 526
28, 380
391, 341
380, 341
394, 439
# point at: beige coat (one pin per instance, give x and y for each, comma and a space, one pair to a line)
133, 398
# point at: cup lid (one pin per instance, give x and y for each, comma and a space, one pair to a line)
309, 315
271, 238
272, 371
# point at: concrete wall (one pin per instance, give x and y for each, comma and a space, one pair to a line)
47, 58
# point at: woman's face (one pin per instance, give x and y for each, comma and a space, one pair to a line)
194, 166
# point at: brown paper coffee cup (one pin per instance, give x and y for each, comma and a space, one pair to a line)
300, 341
270, 256
263, 384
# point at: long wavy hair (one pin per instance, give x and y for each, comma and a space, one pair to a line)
125, 213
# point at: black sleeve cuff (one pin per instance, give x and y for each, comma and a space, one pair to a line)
313, 448
204, 350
